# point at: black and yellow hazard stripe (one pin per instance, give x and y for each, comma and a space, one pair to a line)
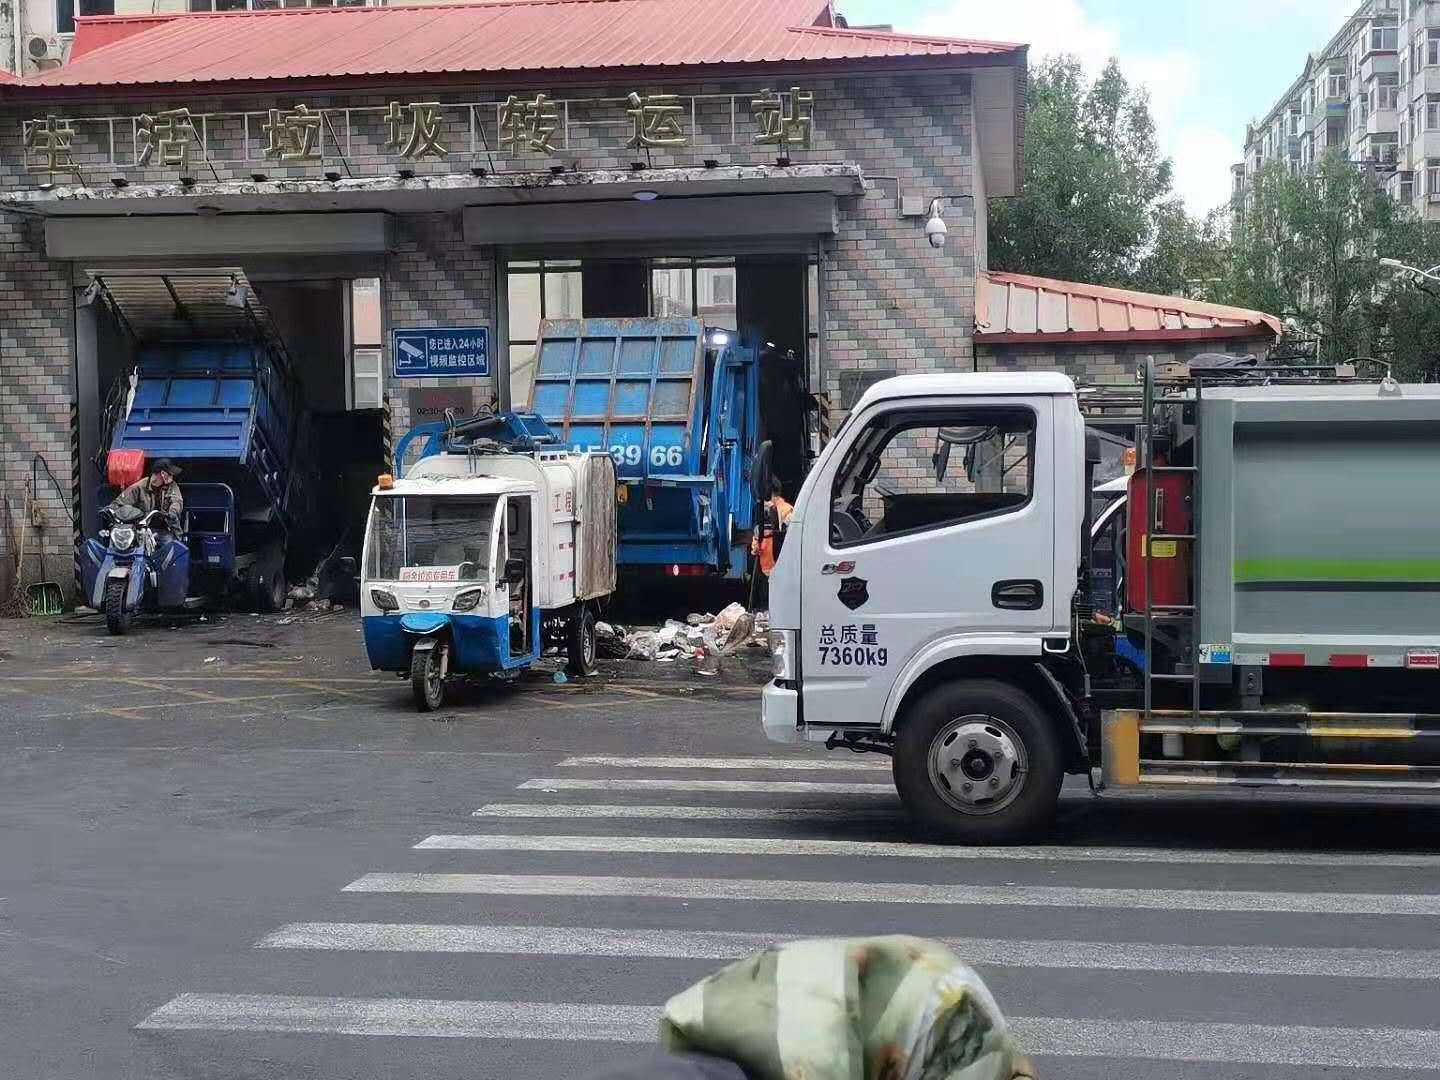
387, 432
76, 505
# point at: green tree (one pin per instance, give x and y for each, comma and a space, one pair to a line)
1307, 248
1096, 204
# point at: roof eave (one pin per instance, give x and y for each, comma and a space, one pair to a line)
870, 65
1257, 331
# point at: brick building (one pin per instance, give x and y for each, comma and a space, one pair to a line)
484, 166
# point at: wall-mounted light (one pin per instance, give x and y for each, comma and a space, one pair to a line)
646, 195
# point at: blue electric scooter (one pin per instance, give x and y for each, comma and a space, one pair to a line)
137, 564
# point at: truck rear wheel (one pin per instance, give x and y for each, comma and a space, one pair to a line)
117, 619
580, 641
978, 762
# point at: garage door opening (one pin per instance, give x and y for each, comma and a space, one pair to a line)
770, 300
268, 395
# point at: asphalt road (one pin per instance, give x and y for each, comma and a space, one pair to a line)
267, 865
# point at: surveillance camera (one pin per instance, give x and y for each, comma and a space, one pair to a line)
935, 231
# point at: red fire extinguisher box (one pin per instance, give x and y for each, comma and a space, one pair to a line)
1171, 573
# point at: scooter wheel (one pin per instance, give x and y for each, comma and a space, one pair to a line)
427, 679
117, 619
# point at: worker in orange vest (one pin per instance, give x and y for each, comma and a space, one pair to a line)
770, 537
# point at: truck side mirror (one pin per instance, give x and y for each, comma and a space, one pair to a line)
514, 571
760, 471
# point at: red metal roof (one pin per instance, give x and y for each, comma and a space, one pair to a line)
499, 36
1021, 308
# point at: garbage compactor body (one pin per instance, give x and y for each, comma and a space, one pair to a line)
1319, 527
675, 404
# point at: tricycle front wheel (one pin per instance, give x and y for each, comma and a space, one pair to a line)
427, 677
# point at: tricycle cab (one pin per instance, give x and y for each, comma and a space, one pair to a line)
448, 571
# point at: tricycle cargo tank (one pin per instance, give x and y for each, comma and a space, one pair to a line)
480, 555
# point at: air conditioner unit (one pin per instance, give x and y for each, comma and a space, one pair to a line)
45, 49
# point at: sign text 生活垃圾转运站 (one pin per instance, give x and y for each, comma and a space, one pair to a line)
440, 351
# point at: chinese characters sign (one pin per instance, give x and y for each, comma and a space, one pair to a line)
440, 351
850, 645
521, 126
528, 125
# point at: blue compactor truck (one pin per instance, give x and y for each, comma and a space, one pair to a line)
211, 387
676, 404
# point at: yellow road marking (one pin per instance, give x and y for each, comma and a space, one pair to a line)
160, 687
210, 701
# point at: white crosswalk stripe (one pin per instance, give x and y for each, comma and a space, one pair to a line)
883, 892
759, 787
593, 811
431, 1018
852, 763
1420, 964
1173, 1025
732, 845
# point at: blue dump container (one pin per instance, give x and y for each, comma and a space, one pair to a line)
675, 404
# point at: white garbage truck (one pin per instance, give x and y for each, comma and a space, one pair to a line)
1268, 616
494, 543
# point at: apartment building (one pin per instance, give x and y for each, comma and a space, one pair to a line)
1373, 93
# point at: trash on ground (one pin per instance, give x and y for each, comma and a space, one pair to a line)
711, 636
211, 659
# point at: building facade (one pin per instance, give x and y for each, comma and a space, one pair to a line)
1372, 93
373, 170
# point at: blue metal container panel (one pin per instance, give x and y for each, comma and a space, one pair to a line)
640, 389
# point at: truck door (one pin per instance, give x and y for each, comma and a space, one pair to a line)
932, 519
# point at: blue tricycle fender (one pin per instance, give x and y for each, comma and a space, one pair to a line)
424, 622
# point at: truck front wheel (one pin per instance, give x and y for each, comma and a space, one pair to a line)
978, 762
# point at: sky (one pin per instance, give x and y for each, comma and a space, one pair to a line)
1210, 65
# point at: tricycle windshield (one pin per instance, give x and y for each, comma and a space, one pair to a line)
430, 538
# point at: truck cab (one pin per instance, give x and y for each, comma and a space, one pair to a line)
928, 575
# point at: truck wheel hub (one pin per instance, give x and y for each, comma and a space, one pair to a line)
977, 764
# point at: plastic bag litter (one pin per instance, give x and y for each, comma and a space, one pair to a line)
740, 634
729, 616
643, 645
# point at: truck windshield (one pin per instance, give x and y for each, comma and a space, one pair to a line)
430, 538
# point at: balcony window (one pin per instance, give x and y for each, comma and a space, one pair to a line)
66, 10
1384, 38
1432, 47
1432, 178
1385, 92
1432, 112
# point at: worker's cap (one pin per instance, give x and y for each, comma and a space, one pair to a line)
164, 464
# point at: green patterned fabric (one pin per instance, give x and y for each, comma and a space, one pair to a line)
883, 1008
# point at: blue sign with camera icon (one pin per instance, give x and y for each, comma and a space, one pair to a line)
440, 351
